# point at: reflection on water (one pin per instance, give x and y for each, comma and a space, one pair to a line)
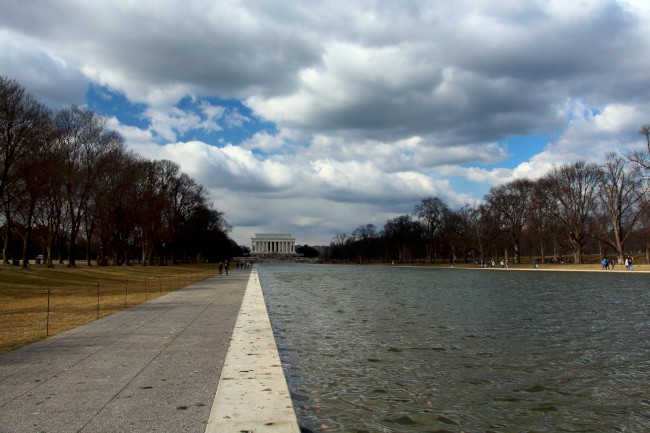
381, 349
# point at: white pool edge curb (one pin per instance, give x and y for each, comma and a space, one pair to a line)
252, 395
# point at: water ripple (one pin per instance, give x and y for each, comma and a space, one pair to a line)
382, 349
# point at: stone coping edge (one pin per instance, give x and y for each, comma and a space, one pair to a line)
252, 395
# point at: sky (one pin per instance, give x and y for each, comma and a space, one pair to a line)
314, 118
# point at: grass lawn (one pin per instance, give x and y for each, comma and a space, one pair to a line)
79, 295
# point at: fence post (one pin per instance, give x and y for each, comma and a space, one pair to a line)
98, 299
47, 317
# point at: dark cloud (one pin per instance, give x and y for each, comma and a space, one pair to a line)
370, 102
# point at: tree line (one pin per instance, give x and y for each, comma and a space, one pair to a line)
573, 210
70, 190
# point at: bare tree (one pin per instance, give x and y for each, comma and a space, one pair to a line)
30, 189
574, 189
645, 130
644, 225
116, 208
50, 215
432, 213
401, 234
184, 196
338, 247
152, 199
64, 174
111, 198
454, 237
87, 147
472, 219
365, 236
24, 123
620, 193
641, 157
510, 206
541, 222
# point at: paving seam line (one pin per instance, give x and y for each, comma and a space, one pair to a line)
252, 395
77, 361
168, 343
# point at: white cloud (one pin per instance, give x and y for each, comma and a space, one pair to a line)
373, 106
231, 167
169, 123
619, 119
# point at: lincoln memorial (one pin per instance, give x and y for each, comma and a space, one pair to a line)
273, 243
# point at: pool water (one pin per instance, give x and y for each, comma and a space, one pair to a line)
391, 349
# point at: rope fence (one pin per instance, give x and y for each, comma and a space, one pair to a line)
40, 313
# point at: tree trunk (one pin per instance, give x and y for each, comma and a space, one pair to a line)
5, 242
72, 252
147, 251
25, 244
47, 246
577, 255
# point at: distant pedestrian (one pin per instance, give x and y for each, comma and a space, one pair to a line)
605, 263
220, 267
227, 266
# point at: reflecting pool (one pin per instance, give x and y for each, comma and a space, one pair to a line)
390, 349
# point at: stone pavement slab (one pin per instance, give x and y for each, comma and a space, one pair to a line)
154, 367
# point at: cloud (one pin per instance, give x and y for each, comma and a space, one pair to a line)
55, 81
345, 111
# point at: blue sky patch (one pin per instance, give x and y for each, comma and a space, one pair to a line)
108, 103
211, 120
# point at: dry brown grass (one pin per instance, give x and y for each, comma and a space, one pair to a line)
79, 295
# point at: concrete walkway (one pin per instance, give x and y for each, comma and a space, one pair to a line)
154, 367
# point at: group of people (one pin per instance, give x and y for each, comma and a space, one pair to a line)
629, 263
226, 266
223, 266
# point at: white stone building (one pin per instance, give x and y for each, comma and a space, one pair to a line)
273, 243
